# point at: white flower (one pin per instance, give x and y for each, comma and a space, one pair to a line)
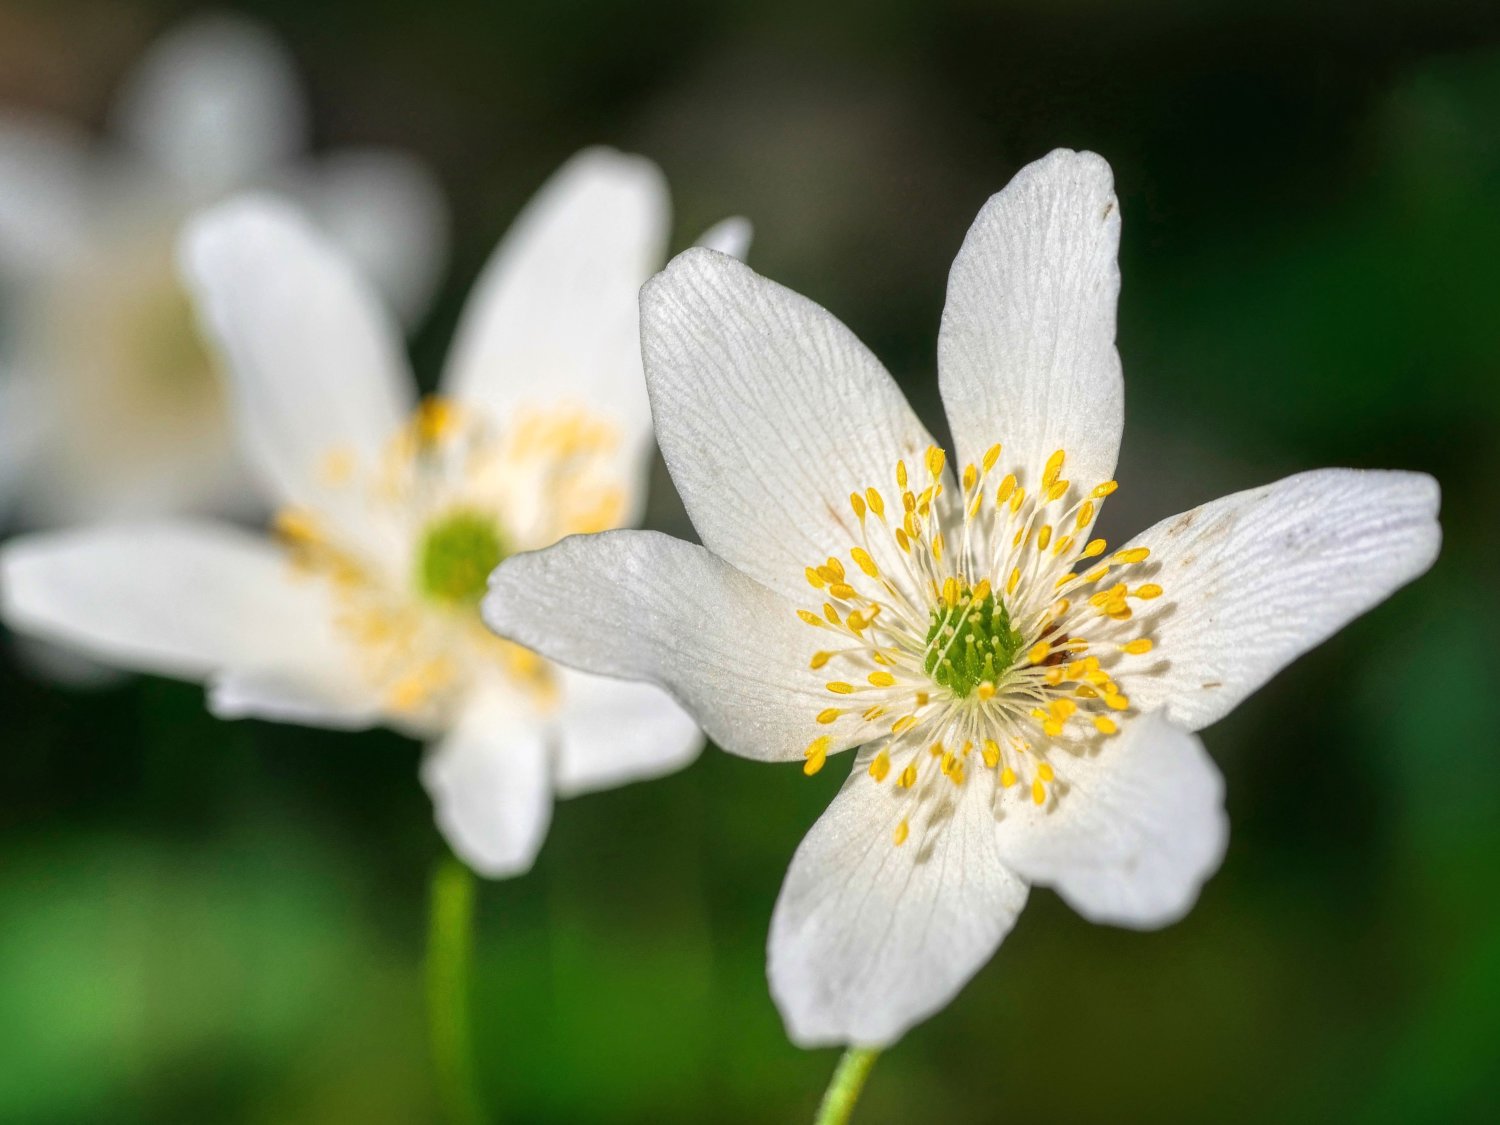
1023, 696
393, 513
115, 399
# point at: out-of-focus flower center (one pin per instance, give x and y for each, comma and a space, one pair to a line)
456, 555
996, 654
408, 544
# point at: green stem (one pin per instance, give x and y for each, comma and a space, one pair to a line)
450, 956
844, 1089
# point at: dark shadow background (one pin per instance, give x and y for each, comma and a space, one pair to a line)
203, 921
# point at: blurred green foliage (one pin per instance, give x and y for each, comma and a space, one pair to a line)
223, 922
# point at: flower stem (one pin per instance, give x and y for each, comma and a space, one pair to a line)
844, 1089
450, 954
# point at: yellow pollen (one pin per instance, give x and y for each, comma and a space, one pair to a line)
829, 715
1115, 701
1057, 490
1007, 486
830, 613
814, 579
880, 766
838, 687
1038, 792
1148, 591
857, 503
816, 754
1017, 498
1137, 646
842, 590
1095, 547
908, 777
1043, 537
810, 618
1013, 581
902, 831
901, 474
819, 659
1039, 652
865, 563
991, 456
991, 753
1085, 515
985, 691
936, 459
1053, 470
1133, 555
1105, 726
876, 502
971, 477
882, 679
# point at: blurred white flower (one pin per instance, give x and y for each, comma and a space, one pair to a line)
1023, 697
364, 608
111, 407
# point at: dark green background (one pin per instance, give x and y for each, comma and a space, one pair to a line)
203, 921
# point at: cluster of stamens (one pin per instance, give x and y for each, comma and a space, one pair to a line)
454, 497
998, 653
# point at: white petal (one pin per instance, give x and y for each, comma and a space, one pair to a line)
553, 318
769, 413
215, 103
1252, 581
730, 236
644, 606
181, 599
1133, 832
386, 212
1026, 355
614, 731
869, 938
315, 364
322, 695
44, 177
488, 779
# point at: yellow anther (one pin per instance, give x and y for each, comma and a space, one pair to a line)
1095, 547
903, 541
903, 830
1043, 537
819, 659
903, 724
1132, 555
829, 715
991, 456
882, 679
1064, 580
865, 563
1116, 702
1038, 792
985, 691
1063, 545
901, 474
1053, 470
908, 777
981, 591
1063, 709
876, 502
1137, 646
921, 699
1105, 726
435, 419
937, 546
839, 687
857, 622
857, 503
814, 579
873, 713
880, 766
1017, 498
1103, 490
971, 477
842, 590
834, 567
991, 753
830, 613
1097, 573
1013, 581
936, 459
810, 617
936, 749
950, 590
1039, 652
1085, 515
816, 754
1007, 777
1007, 486
1044, 771
909, 501
1057, 491
1148, 591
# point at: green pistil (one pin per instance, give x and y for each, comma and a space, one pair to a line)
456, 556
969, 643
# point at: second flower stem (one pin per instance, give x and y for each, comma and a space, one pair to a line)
450, 957
844, 1088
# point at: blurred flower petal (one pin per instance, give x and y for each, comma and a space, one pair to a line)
215, 104
614, 731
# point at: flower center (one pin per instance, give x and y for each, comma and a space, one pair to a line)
999, 656
970, 642
415, 535
455, 557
